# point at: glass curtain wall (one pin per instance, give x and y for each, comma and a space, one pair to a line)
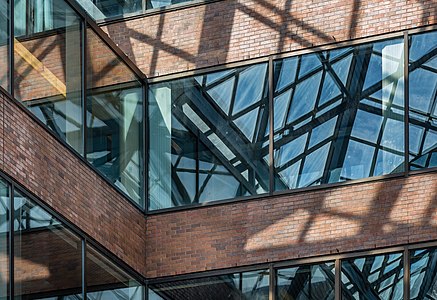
4, 239
338, 115
373, 277
47, 71
101, 118
104, 9
48, 257
209, 137
423, 268
105, 280
252, 285
306, 282
114, 113
423, 101
4, 45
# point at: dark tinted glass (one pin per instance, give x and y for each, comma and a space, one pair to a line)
423, 101
114, 118
310, 282
240, 286
47, 256
423, 274
338, 115
373, 277
209, 137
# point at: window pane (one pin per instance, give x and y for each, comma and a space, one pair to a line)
423, 276
106, 281
423, 101
306, 282
238, 286
162, 3
4, 45
114, 118
4, 239
48, 69
339, 115
209, 137
373, 277
47, 256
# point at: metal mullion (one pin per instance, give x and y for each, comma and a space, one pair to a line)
271, 128
83, 269
145, 152
233, 95
11, 240
406, 273
84, 85
337, 281
272, 283
406, 106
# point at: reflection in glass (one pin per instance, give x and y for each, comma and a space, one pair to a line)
4, 239
239, 286
306, 282
114, 118
103, 9
209, 137
106, 281
4, 45
162, 3
423, 274
47, 255
423, 101
373, 277
48, 70
339, 115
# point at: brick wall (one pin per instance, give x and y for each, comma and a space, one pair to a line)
39, 162
234, 30
355, 217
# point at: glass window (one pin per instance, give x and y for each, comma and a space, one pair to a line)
209, 137
239, 286
48, 70
162, 3
306, 282
106, 281
102, 9
423, 274
47, 255
114, 118
423, 101
339, 115
4, 240
4, 45
35, 16
373, 277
